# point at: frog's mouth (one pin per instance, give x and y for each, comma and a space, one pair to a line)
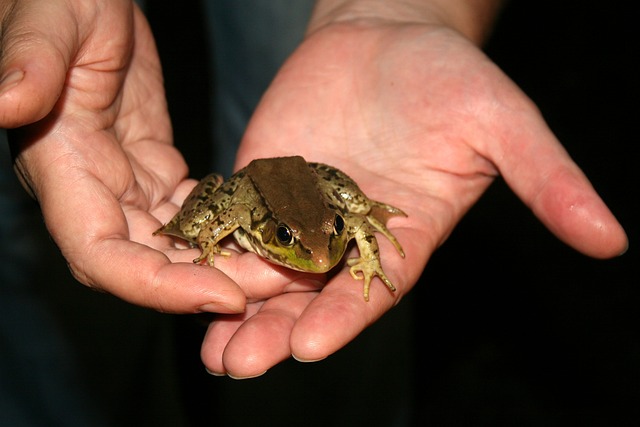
296, 256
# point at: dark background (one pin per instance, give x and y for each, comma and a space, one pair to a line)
508, 326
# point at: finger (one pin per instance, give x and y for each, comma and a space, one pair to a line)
218, 335
144, 276
260, 279
35, 58
259, 342
337, 316
538, 169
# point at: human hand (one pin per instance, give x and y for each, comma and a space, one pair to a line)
94, 147
422, 120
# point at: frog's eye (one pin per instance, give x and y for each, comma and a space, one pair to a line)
338, 225
284, 235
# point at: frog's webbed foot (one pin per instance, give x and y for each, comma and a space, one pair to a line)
369, 262
369, 269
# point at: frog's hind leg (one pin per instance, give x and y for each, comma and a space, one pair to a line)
226, 223
209, 250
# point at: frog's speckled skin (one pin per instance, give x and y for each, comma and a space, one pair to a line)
293, 213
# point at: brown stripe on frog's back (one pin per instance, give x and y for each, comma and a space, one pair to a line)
292, 192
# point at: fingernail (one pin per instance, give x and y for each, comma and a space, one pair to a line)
307, 360
10, 80
216, 307
247, 377
215, 374
624, 251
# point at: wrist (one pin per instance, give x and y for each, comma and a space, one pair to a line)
471, 18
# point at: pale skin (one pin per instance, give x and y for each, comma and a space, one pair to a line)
402, 100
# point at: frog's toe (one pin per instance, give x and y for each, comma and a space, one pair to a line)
203, 255
369, 270
210, 254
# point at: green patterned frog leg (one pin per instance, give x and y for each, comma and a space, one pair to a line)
226, 223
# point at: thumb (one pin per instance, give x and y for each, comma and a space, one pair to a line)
536, 166
37, 44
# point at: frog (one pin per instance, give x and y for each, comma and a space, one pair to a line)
297, 214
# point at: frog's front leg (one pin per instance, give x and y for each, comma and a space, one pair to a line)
369, 262
219, 228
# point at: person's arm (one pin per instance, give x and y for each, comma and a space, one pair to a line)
472, 18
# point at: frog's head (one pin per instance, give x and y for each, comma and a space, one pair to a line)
300, 247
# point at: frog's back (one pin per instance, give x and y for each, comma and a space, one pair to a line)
290, 189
